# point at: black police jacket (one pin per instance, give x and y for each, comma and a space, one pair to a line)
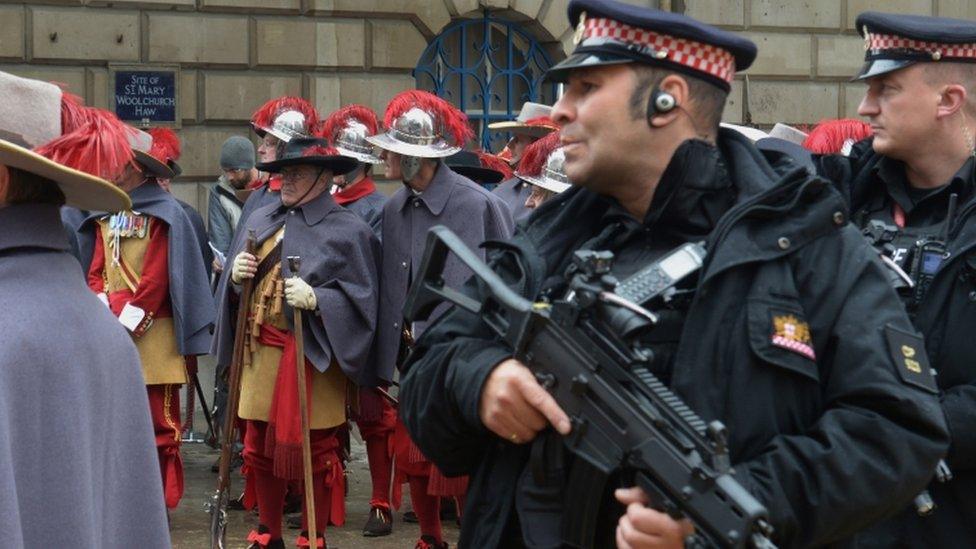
947, 318
829, 444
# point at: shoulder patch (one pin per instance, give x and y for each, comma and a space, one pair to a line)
907, 351
793, 334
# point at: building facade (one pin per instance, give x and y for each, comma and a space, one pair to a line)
486, 56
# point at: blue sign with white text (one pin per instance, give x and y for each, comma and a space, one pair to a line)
146, 97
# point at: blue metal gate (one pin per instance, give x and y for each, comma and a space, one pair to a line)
487, 67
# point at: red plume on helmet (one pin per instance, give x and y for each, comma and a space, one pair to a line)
165, 145
535, 155
340, 118
100, 147
830, 136
492, 162
265, 116
451, 123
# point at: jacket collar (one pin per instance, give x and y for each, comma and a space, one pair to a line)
315, 210
436, 195
32, 226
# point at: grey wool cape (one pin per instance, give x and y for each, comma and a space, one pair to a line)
453, 200
339, 259
78, 464
515, 192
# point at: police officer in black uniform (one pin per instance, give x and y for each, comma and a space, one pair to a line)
902, 185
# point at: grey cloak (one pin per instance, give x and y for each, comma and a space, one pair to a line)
452, 200
340, 260
78, 464
514, 192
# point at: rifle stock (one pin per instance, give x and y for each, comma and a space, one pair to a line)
217, 506
623, 418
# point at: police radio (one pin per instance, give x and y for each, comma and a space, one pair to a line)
928, 255
662, 275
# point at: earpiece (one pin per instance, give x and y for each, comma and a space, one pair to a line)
660, 102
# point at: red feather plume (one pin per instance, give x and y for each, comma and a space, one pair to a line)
340, 118
542, 121
451, 123
265, 116
535, 155
165, 145
73, 112
319, 150
829, 136
493, 162
100, 147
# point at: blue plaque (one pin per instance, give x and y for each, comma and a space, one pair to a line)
146, 97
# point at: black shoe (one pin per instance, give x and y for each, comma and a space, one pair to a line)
410, 517
272, 544
236, 460
380, 523
325, 544
294, 521
236, 504
428, 542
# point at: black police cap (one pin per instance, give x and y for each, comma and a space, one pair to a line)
894, 41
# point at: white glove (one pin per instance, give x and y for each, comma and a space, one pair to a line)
245, 266
131, 317
299, 294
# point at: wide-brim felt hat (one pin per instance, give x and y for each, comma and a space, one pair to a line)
296, 153
894, 41
530, 111
141, 143
469, 165
82, 191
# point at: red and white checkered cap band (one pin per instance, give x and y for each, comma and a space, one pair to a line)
701, 57
880, 42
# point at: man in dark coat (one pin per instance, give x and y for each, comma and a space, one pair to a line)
146, 266
79, 466
532, 124
422, 130
336, 284
792, 338
922, 109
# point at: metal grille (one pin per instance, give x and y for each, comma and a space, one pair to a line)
487, 67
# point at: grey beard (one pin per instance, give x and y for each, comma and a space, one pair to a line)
409, 167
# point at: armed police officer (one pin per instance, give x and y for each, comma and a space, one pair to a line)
903, 187
793, 337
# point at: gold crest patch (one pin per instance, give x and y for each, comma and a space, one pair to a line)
792, 334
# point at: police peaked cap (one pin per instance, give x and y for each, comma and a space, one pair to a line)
610, 33
893, 42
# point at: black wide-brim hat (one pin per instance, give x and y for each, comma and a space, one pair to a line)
309, 151
613, 33
893, 42
468, 164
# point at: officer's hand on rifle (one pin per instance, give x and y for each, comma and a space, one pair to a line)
299, 294
643, 528
245, 266
515, 407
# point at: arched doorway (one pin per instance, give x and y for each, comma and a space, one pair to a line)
487, 67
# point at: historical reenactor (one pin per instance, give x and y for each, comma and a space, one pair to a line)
347, 129
483, 168
837, 136
422, 129
146, 266
336, 288
772, 336
542, 166
75, 419
532, 123
911, 188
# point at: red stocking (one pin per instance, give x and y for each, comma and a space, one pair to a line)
427, 507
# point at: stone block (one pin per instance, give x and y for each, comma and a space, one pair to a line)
188, 94
373, 90
98, 93
853, 94
198, 39
91, 35
959, 9
184, 4
717, 12
554, 19
396, 44
497, 4
201, 149
251, 5
733, 104
12, 32
792, 102
796, 13
433, 13
325, 94
528, 8
324, 43
233, 96
70, 78
782, 54
916, 7
839, 55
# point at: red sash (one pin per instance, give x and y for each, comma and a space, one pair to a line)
284, 440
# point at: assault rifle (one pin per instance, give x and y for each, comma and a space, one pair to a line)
623, 418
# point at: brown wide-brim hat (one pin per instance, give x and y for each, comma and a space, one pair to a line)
80, 190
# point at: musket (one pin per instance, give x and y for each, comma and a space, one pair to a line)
217, 506
294, 263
